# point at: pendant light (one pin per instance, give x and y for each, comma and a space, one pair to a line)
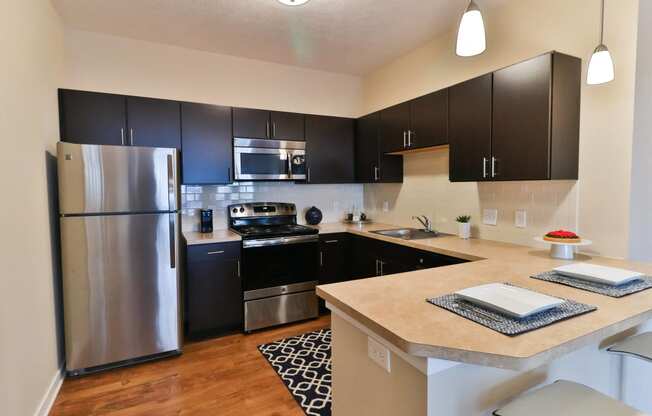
470, 34
601, 66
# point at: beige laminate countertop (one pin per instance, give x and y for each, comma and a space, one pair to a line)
395, 308
217, 236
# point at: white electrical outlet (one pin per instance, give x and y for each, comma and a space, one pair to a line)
520, 218
490, 216
385, 206
379, 354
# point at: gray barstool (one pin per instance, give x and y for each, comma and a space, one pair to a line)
566, 398
638, 346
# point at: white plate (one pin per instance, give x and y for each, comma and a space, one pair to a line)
510, 300
600, 274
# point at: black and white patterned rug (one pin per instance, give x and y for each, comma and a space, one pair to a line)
304, 364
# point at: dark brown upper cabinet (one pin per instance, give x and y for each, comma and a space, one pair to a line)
469, 129
109, 119
287, 126
329, 149
263, 124
536, 119
153, 122
92, 118
519, 123
207, 156
371, 164
394, 126
419, 123
429, 120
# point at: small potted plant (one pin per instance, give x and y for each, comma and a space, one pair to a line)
464, 226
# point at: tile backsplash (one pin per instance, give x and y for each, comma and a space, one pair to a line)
332, 200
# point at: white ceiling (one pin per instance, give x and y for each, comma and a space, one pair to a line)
347, 36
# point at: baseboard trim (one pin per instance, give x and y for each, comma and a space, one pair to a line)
51, 394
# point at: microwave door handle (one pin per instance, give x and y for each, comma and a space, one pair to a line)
289, 165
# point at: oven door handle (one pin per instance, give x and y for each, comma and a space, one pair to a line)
279, 241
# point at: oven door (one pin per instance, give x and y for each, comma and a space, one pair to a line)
272, 263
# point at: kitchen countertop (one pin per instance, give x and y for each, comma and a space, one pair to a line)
217, 236
394, 306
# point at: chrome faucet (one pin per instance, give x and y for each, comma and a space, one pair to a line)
425, 221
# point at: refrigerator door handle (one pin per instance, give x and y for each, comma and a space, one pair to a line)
173, 239
172, 197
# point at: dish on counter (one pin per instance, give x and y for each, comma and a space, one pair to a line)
600, 274
509, 300
562, 236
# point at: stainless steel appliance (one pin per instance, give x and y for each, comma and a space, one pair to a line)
280, 264
119, 243
264, 159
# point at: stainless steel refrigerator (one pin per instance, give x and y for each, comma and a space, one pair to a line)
119, 242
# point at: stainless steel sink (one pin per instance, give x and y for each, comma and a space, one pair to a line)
409, 233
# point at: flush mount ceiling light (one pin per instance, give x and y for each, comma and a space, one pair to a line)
601, 66
470, 34
293, 2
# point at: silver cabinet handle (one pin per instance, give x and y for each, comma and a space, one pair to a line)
409, 138
267, 132
404, 139
274, 129
210, 253
493, 167
484, 167
131, 137
376, 173
377, 268
122, 135
321, 259
330, 241
238, 267
308, 175
382, 272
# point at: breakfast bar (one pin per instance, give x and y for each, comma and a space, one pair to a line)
394, 353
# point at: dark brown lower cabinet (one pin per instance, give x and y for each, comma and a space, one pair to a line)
213, 289
334, 260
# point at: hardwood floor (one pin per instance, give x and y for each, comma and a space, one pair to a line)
225, 376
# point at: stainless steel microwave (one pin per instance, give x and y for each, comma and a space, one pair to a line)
265, 159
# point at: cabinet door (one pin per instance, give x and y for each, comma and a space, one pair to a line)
365, 257
334, 258
429, 120
92, 118
288, 126
521, 120
153, 122
214, 300
394, 124
469, 129
367, 166
251, 124
207, 144
329, 149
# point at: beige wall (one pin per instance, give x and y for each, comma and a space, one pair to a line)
106, 63
32, 52
516, 31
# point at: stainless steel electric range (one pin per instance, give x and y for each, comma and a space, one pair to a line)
280, 264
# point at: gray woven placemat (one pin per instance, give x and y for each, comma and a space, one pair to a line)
506, 324
634, 286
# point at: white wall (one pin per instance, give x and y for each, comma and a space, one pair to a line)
98, 62
517, 31
31, 41
640, 241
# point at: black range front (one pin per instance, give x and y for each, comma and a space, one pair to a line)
280, 264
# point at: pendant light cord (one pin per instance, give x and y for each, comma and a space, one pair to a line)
602, 23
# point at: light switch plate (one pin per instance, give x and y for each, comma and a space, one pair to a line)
520, 218
379, 354
490, 216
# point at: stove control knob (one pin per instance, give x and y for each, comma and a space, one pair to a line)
235, 210
241, 209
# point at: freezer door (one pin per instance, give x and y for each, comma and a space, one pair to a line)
120, 287
110, 179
